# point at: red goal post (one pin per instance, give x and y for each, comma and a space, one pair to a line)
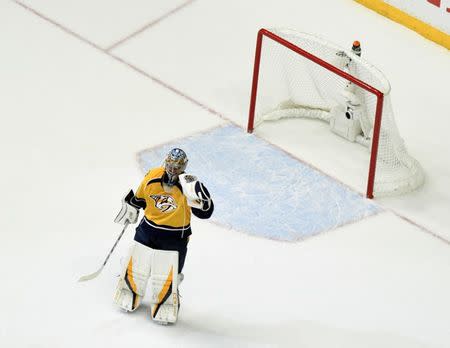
380, 96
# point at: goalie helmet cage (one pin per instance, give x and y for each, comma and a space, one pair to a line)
300, 75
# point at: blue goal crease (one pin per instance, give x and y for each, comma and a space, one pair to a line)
260, 190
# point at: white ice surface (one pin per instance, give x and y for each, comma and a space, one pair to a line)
105, 22
210, 57
72, 120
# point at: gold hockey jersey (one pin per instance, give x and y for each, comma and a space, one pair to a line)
166, 207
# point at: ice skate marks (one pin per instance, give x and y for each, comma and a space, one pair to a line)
260, 190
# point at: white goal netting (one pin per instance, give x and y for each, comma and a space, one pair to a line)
291, 85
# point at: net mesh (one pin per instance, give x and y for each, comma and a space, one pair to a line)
291, 85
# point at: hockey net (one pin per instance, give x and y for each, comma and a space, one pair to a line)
298, 75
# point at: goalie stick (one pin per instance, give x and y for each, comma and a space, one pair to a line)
95, 274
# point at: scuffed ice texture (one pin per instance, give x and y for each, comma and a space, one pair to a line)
260, 190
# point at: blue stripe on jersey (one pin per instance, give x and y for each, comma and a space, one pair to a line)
260, 190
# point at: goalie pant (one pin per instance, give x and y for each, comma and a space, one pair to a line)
163, 240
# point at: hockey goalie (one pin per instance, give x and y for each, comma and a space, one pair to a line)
167, 196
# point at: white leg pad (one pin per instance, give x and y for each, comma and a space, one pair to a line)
134, 277
164, 285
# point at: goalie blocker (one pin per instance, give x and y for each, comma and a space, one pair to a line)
161, 268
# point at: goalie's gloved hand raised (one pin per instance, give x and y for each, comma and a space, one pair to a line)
129, 213
196, 193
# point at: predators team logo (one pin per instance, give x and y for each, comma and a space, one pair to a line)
164, 203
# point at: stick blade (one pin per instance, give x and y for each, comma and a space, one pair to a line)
90, 276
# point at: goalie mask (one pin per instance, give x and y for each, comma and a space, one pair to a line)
175, 164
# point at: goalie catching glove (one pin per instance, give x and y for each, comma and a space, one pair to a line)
196, 193
129, 212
